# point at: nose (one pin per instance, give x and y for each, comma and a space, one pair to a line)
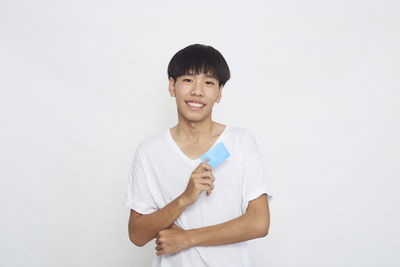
197, 89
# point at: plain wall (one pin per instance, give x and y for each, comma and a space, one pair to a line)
83, 82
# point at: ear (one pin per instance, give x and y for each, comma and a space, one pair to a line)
171, 87
219, 94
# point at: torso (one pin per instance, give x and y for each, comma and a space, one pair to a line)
195, 150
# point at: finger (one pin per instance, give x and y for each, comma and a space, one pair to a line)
204, 181
160, 252
205, 174
208, 175
174, 226
206, 166
209, 191
212, 176
211, 188
207, 187
204, 187
202, 172
203, 166
159, 247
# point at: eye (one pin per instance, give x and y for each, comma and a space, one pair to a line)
187, 80
209, 82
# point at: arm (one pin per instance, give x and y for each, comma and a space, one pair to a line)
144, 227
253, 224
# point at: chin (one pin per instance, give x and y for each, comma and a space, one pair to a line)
194, 118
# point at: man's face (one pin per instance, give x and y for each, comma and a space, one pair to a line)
195, 95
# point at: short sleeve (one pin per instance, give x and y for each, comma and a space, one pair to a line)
255, 180
138, 195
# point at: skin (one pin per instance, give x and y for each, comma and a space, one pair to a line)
253, 224
195, 128
194, 134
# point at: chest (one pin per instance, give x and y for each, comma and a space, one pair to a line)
194, 151
169, 176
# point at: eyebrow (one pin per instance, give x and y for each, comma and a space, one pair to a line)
207, 75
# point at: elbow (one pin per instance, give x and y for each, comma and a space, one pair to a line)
137, 242
136, 239
264, 226
259, 226
137, 233
263, 229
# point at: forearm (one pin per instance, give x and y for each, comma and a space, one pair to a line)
145, 228
243, 228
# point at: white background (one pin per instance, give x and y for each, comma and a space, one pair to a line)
317, 82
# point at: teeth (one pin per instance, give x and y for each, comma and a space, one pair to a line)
195, 104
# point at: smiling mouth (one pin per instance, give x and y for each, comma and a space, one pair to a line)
195, 105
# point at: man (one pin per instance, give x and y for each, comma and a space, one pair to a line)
167, 179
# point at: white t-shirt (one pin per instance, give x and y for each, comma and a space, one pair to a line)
160, 173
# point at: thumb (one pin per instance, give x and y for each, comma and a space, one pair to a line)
176, 227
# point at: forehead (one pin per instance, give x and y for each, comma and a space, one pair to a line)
207, 75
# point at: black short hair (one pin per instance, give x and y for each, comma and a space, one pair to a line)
200, 59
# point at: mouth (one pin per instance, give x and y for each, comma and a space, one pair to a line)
194, 106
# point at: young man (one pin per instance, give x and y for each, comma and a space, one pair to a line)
167, 179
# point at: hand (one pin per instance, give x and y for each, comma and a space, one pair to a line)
201, 180
171, 240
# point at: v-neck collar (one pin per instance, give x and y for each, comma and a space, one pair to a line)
193, 162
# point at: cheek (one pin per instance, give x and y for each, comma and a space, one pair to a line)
179, 97
180, 100
215, 96
180, 93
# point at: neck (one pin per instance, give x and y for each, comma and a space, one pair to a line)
195, 131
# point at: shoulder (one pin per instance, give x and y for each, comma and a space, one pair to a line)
151, 142
242, 134
244, 139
